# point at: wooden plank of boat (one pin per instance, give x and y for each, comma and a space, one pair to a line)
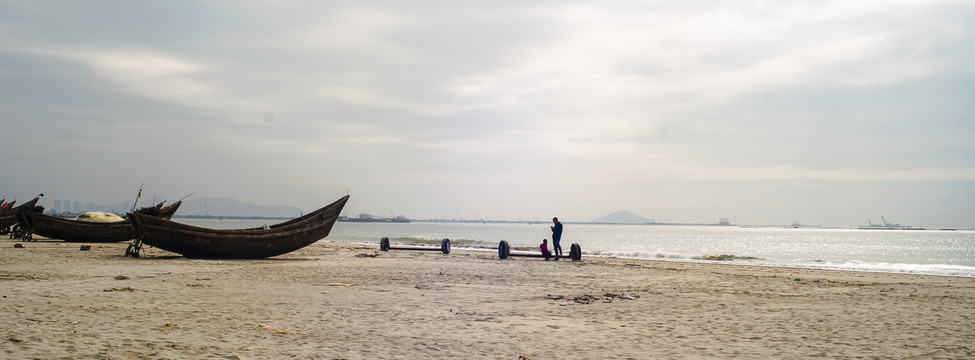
252, 243
70, 230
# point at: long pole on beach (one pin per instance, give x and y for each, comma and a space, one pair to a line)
137, 197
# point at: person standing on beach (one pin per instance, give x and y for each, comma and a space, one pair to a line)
556, 237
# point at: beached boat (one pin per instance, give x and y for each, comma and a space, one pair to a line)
4, 205
253, 243
8, 216
70, 230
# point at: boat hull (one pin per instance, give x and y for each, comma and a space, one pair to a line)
70, 230
253, 243
53, 227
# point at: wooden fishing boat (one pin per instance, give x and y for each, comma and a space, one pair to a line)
8, 216
252, 243
4, 205
70, 230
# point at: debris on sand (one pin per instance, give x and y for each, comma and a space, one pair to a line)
120, 289
274, 329
590, 298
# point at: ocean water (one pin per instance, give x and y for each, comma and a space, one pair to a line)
933, 252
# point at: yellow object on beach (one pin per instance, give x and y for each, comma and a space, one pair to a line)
98, 216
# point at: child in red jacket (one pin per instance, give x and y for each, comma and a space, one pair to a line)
544, 248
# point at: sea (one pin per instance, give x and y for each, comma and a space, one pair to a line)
929, 252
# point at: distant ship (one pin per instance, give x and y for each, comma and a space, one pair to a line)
888, 226
364, 217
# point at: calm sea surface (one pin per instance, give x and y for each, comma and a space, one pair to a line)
904, 251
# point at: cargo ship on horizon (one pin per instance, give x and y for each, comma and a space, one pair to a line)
365, 217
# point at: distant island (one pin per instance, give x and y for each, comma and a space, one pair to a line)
624, 217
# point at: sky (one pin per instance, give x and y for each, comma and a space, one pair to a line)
762, 112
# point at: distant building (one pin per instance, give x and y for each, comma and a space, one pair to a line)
57, 206
724, 222
77, 206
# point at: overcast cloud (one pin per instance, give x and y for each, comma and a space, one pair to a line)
765, 112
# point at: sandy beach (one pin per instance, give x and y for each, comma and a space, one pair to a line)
335, 300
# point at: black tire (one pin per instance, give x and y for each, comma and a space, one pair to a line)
384, 244
575, 252
504, 250
445, 246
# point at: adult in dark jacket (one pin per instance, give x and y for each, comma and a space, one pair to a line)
556, 237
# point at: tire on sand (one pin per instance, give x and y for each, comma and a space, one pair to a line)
445, 246
504, 250
575, 252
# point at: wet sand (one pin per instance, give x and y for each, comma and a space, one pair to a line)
335, 300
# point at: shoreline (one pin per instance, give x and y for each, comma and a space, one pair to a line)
737, 262
337, 299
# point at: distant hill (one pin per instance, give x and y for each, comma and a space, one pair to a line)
623, 217
231, 207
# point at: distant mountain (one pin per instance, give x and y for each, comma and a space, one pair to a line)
623, 217
231, 207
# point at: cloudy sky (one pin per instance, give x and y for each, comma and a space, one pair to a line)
765, 112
